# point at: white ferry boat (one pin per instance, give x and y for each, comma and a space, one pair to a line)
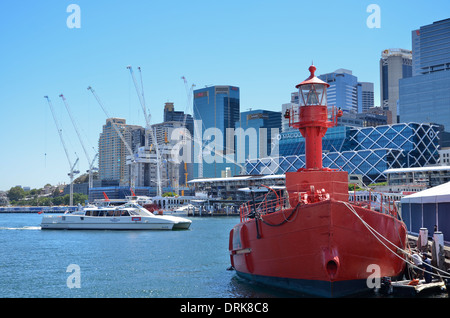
130, 216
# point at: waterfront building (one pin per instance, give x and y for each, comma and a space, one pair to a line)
171, 115
367, 151
432, 44
215, 107
444, 155
426, 177
259, 128
427, 95
374, 116
227, 188
345, 91
395, 64
112, 151
350, 119
415, 36
173, 171
185, 168
367, 97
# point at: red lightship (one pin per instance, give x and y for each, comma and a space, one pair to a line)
314, 241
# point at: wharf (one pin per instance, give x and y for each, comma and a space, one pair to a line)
405, 288
412, 240
37, 209
215, 213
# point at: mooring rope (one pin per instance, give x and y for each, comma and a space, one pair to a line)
285, 219
373, 231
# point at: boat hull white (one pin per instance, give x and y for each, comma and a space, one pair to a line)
75, 222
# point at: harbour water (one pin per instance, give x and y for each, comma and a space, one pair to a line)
120, 264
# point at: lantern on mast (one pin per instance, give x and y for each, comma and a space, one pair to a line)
311, 117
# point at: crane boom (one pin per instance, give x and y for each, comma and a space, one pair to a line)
90, 163
75, 126
59, 130
148, 127
113, 123
72, 167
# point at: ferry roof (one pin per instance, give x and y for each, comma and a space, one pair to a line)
417, 169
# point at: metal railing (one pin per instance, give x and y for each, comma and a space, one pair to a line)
372, 200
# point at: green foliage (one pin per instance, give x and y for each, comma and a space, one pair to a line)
18, 196
169, 194
354, 187
16, 193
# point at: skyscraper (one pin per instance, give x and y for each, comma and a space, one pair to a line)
415, 36
433, 45
425, 97
367, 96
264, 125
395, 64
215, 107
170, 114
344, 91
112, 151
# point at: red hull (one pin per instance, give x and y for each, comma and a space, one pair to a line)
321, 249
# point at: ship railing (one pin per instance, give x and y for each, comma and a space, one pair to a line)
376, 201
262, 206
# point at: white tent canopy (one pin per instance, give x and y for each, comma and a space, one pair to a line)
440, 193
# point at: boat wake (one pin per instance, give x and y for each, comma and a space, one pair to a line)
21, 228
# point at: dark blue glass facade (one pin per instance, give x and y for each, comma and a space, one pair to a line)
366, 151
435, 46
264, 123
216, 107
426, 97
336, 139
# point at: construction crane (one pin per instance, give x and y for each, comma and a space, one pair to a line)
148, 127
189, 92
72, 167
116, 128
90, 163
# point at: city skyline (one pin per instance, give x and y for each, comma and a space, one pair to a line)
257, 46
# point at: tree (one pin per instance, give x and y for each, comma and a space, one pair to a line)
16, 193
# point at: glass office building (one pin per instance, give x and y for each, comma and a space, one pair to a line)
395, 64
215, 107
344, 92
258, 129
427, 95
433, 43
367, 151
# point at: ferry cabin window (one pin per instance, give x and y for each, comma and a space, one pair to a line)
133, 212
124, 213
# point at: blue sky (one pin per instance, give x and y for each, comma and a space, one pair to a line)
264, 47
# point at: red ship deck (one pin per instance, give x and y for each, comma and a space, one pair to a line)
320, 249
